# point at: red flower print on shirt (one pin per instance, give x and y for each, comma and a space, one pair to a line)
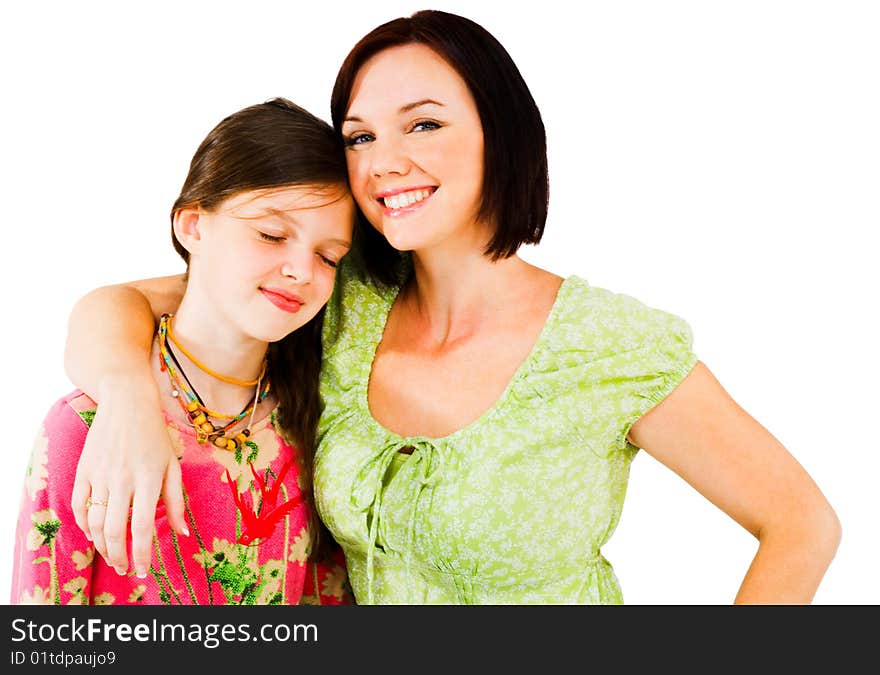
261, 523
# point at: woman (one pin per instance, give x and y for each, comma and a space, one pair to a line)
262, 220
480, 413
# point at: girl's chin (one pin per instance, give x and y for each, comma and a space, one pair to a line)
275, 331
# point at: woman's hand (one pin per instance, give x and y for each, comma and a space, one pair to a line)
127, 457
127, 461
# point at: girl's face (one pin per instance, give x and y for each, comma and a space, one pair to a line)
415, 149
266, 260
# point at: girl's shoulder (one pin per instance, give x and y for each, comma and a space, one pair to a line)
60, 438
71, 413
80, 403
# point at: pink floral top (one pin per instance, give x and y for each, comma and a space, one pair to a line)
248, 543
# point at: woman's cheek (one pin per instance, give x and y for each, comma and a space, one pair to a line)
358, 180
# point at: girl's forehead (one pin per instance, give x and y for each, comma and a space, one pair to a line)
285, 198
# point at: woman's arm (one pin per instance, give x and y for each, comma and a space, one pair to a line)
128, 455
700, 432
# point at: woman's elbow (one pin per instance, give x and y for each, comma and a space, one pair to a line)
827, 530
813, 526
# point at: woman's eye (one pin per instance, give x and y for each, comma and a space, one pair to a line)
358, 139
327, 261
270, 238
425, 125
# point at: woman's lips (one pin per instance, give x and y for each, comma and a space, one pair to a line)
409, 208
284, 301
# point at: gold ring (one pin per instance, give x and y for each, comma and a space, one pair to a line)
94, 502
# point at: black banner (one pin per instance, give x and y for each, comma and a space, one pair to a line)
266, 639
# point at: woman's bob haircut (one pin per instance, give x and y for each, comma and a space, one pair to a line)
515, 182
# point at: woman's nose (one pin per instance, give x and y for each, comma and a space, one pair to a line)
388, 156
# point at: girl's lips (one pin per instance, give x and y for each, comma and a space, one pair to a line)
286, 302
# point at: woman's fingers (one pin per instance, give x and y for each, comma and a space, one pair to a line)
116, 528
81, 491
96, 510
172, 495
143, 513
125, 460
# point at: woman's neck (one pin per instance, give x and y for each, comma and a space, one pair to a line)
454, 292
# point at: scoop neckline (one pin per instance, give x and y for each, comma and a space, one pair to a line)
518, 374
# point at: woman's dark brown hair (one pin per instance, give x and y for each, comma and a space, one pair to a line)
515, 181
271, 145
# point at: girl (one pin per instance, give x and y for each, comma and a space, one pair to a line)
262, 220
481, 414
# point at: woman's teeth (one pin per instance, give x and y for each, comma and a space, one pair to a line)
403, 199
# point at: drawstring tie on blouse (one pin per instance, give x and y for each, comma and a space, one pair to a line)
369, 487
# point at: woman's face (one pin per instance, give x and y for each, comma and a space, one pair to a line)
266, 260
415, 149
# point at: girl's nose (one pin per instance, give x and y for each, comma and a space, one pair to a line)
299, 265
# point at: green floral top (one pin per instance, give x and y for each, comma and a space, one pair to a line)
515, 507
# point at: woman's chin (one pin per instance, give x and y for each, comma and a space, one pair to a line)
403, 240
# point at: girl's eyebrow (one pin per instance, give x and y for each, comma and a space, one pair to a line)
290, 219
403, 109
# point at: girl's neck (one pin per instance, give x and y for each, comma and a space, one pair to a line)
218, 346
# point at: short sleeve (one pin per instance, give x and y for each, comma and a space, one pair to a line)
658, 355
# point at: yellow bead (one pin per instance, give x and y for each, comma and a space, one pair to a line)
192, 405
207, 427
230, 444
241, 438
220, 442
200, 420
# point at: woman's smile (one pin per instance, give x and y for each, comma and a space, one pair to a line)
403, 201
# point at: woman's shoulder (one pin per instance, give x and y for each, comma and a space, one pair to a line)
357, 304
608, 320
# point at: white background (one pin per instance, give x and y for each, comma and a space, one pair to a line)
719, 160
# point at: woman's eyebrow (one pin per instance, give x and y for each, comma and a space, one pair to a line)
416, 104
403, 109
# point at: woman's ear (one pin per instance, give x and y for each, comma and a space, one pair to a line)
187, 224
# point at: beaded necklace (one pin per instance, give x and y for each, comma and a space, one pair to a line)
191, 403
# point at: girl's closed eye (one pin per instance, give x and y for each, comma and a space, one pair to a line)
271, 238
330, 262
